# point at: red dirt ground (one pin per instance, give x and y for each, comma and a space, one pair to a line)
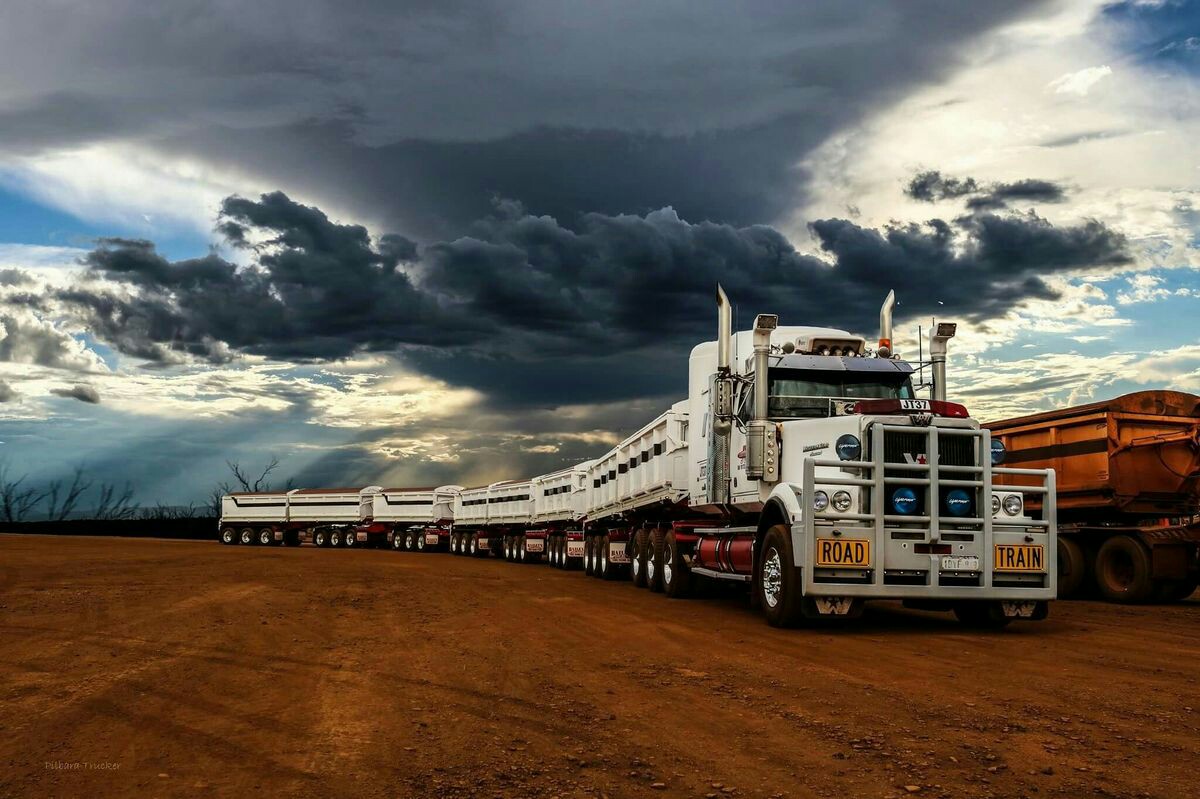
166, 668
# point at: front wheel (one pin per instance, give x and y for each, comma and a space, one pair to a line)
776, 582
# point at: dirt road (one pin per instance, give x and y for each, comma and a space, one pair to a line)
163, 668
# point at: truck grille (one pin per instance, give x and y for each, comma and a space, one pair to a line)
906, 447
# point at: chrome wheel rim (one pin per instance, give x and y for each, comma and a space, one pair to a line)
636, 566
772, 578
603, 557
666, 570
650, 567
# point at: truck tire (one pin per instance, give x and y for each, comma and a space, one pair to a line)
1123, 570
1072, 567
420, 543
654, 560
229, 536
247, 536
776, 584
981, 615
397, 542
637, 558
335, 538
320, 538
588, 547
522, 555
266, 537
350, 538
472, 545
410, 541
603, 567
676, 576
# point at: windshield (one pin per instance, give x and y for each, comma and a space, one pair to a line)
797, 393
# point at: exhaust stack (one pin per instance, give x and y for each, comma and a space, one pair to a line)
885, 326
939, 340
720, 397
762, 462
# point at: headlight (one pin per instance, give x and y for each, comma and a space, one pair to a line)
841, 501
998, 452
848, 447
958, 502
995, 504
820, 500
904, 501
1012, 504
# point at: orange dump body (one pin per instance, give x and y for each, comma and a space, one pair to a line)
1126, 459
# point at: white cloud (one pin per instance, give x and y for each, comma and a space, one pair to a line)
1079, 83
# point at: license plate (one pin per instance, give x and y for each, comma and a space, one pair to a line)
960, 563
534, 545
1020, 558
843, 552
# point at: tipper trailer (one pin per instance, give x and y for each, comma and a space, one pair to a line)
411, 519
1128, 491
325, 516
802, 465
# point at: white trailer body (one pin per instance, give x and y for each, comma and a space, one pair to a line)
331, 506
244, 507
649, 467
409, 506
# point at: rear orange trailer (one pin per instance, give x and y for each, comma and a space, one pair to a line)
1128, 474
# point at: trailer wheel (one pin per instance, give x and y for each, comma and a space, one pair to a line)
350, 538
228, 536
266, 537
776, 584
1123, 570
335, 538
654, 560
587, 556
602, 567
319, 538
247, 536
1072, 567
676, 576
560, 552
420, 540
637, 558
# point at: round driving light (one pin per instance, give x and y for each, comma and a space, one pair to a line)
998, 452
995, 504
958, 502
841, 501
1012, 504
820, 500
848, 447
904, 501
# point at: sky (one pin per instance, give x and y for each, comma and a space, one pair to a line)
415, 243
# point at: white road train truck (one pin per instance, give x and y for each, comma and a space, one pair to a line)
802, 464
807, 467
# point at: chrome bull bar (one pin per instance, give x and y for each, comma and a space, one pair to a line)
931, 475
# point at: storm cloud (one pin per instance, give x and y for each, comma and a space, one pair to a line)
532, 311
413, 116
933, 186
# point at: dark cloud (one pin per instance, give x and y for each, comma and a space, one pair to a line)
7, 392
79, 391
531, 311
933, 186
412, 116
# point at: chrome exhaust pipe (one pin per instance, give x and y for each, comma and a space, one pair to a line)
720, 397
885, 326
939, 344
